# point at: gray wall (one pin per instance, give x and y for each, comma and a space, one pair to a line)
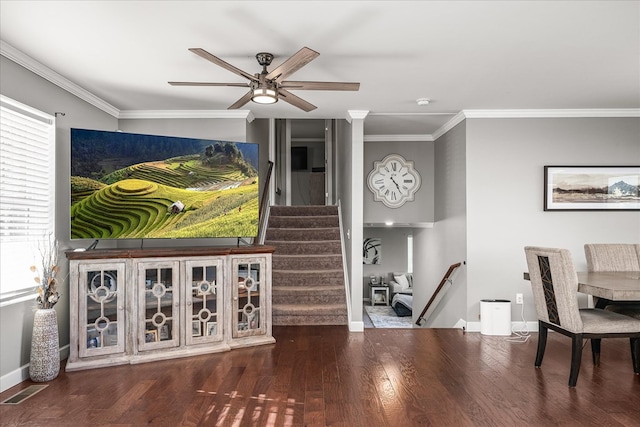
24, 86
419, 210
435, 249
504, 178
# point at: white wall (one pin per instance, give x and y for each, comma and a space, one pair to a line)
259, 131
349, 150
504, 180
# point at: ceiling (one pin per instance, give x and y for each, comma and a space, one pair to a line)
463, 55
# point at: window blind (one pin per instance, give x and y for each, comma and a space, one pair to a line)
27, 188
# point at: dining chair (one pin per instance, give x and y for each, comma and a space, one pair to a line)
616, 257
612, 256
554, 283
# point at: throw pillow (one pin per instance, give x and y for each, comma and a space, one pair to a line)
402, 281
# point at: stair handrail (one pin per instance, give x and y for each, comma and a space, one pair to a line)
436, 297
262, 215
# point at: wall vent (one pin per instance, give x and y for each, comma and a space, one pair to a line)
23, 395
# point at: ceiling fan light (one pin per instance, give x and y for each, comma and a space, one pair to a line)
263, 95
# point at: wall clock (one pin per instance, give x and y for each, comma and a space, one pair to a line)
393, 181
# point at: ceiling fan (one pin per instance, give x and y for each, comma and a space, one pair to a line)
267, 87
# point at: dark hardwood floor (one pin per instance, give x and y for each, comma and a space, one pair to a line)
326, 376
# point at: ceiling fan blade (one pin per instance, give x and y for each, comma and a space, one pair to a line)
240, 102
287, 96
293, 64
293, 85
209, 57
208, 84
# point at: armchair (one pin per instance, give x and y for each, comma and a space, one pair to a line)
401, 283
401, 287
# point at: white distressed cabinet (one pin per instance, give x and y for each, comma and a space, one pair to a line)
133, 306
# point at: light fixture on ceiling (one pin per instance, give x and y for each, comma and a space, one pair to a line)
388, 223
264, 94
423, 101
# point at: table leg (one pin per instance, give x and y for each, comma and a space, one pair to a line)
601, 302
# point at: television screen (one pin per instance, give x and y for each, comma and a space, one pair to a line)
133, 186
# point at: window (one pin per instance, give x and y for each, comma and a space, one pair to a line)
409, 253
27, 192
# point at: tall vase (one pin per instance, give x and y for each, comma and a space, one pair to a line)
45, 352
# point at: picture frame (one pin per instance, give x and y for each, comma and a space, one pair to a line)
591, 188
164, 332
196, 328
150, 335
212, 329
372, 250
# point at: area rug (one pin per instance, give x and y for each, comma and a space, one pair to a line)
385, 317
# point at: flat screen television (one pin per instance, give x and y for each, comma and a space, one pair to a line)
134, 186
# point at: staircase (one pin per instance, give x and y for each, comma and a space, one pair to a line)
307, 270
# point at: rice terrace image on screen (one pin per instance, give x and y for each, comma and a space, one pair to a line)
133, 186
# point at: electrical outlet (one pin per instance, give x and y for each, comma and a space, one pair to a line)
519, 299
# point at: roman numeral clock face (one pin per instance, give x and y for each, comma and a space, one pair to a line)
393, 181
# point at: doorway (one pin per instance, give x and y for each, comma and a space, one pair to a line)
303, 147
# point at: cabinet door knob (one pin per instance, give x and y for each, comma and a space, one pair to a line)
188, 303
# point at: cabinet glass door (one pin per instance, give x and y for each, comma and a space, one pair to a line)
204, 301
158, 305
101, 302
248, 300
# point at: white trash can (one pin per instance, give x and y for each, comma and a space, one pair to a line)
495, 317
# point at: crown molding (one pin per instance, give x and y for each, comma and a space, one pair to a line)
449, 125
399, 138
552, 113
536, 114
187, 114
356, 115
47, 73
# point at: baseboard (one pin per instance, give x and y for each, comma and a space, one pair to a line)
355, 326
460, 324
21, 374
515, 326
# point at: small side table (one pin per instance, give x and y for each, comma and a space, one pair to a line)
379, 290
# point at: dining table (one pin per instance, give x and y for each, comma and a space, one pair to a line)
608, 286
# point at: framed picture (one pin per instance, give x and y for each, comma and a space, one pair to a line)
164, 332
196, 330
150, 335
372, 250
212, 329
591, 188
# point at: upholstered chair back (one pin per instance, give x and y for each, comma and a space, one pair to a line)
612, 256
554, 283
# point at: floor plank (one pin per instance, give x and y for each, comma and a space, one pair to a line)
327, 376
